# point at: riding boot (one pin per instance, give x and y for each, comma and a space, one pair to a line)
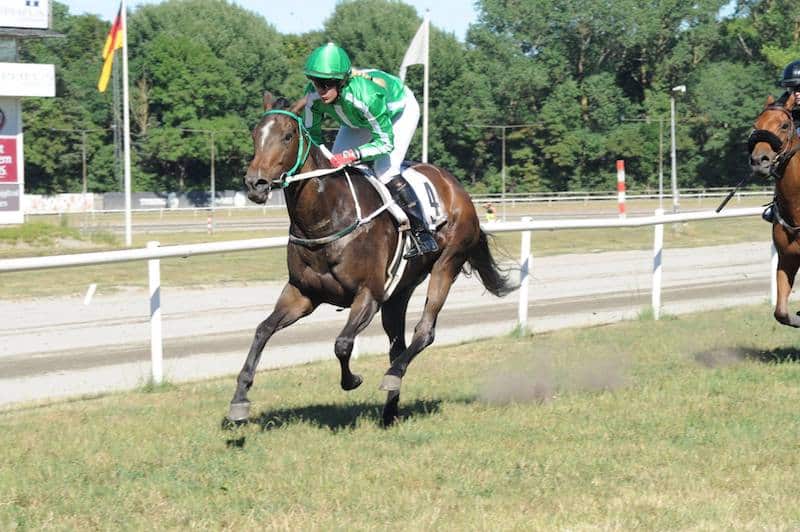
422, 239
769, 213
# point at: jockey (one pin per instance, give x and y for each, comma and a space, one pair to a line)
791, 82
377, 116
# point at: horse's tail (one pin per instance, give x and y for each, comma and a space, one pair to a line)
494, 278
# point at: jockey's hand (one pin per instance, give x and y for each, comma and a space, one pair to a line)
344, 158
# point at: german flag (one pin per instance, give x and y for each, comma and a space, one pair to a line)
113, 42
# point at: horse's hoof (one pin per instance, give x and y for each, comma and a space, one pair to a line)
354, 383
239, 412
390, 383
229, 424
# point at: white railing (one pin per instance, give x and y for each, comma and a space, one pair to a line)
153, 253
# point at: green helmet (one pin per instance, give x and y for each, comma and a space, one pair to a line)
329, 62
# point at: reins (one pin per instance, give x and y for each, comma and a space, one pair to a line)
289, 177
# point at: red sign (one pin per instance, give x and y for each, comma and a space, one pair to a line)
8, 160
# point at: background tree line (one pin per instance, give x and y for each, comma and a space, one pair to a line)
588, 82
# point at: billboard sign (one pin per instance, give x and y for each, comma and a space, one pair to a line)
9, 197
12, 179
32, 14
9, 160
27, 79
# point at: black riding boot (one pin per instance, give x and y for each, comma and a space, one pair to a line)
422, 241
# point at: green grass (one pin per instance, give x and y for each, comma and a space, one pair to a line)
687, 423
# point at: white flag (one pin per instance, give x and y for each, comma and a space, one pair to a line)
417, 53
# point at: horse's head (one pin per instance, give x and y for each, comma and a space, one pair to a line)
773, 133
276, 143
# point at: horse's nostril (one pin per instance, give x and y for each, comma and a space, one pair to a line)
261, 183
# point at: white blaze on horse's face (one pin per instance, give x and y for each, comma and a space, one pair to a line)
265, 132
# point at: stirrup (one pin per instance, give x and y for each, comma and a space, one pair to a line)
422, 242
769, 214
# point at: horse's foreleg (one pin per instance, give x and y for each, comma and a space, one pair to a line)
291, 306
785, 275
362, 311
393, 317
442, 277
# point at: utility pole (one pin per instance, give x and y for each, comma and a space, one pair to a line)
502, 127
675, 200
83, 133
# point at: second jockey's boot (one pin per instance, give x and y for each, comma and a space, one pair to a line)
769, 213
422, 239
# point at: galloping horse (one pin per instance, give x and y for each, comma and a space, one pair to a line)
773, 145
336, 257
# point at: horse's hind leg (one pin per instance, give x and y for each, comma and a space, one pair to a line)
362, 311
785, 275
393, 317
444, 273
291, 306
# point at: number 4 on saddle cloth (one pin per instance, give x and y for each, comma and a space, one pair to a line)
425, 192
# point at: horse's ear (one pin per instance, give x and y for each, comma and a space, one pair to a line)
789, 104
268, 100
770, 101
299, 105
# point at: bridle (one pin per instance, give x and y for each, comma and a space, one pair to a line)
291, 176
783, 149
303, 149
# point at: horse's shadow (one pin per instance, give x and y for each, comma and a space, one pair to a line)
778, 355
335, 417
721, 357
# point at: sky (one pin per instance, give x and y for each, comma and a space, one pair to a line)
449, 15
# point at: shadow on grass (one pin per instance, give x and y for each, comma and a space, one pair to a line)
333, 417
727, 356
339, 417
777, 356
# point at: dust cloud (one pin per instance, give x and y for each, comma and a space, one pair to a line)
542, 379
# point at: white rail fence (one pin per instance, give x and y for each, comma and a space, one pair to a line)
153, 253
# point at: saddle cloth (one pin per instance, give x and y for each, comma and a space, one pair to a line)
424, 191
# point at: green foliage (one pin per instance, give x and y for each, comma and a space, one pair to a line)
583, 84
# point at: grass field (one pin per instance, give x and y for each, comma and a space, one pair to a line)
269, 265
685, 423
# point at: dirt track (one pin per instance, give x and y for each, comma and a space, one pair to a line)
60, 347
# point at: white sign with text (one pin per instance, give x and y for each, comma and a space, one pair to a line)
33, 14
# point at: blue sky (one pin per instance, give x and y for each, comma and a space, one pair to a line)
448, 15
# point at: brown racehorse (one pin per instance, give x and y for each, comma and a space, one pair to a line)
351, 270
773, 145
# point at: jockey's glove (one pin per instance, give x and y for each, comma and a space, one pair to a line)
344, 158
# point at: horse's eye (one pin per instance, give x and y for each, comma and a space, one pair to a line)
785, 126
287, 137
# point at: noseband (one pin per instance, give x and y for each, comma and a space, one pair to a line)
781, 148
303, 149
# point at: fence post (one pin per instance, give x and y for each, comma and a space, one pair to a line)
156, 351
773, 281
621, 188
658, 248
525, 262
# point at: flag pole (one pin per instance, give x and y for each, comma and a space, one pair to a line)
126, 136
427, 23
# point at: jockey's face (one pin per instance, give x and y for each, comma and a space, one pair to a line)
328, 89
